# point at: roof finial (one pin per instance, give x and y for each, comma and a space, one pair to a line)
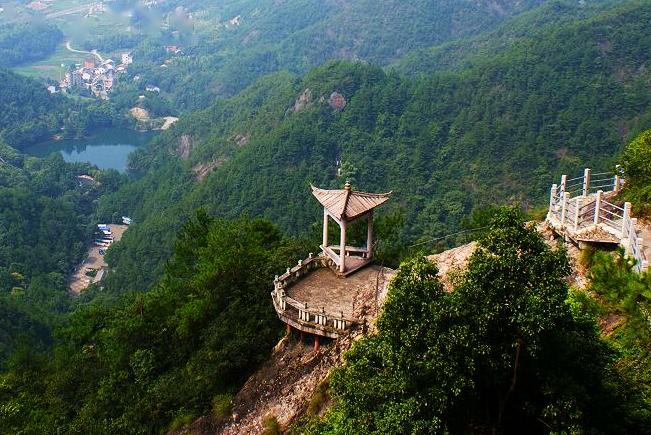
347, 185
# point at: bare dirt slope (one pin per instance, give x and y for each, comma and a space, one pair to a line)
285, 384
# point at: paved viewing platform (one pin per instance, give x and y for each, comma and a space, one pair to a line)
311, 298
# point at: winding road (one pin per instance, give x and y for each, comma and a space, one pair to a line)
93, 53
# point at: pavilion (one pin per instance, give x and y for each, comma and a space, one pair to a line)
345, 206
318, 295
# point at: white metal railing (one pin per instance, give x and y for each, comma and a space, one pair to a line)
577, 204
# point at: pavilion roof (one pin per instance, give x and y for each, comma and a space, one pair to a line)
347, 202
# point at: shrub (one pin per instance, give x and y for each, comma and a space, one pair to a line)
319, 398
636, 162
271, 425
182, 418
222, 405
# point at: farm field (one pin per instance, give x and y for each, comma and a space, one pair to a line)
50, 68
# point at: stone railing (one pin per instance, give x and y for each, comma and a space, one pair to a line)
300, 311
578, 204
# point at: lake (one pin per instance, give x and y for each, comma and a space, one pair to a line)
106, 148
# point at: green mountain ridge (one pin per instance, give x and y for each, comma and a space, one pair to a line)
223, 59
446, 144
530, 26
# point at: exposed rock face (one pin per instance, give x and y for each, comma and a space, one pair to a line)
241, 139
452, 262
202, 170
168, 122
302, 101
337, 101
185, 146
578, 276
139, 113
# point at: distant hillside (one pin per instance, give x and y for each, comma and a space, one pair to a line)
530, 26
446, 144
28, 110
221, 58
26, 42
44, 227
29, 113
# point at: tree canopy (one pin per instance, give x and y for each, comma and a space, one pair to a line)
502, 353
152, 358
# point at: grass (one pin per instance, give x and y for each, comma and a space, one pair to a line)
319, 399
51, 67
183, 418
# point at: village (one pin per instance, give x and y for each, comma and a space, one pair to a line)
96, 75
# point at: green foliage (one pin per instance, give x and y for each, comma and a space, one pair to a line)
448, 144
581, 303
26, 42
45, 217
222, 405
504, 352
636, 162
271, 426
319, 399
30, 114
157, 359
183, 418
497, 117
220, 60
612, 277
527, 27
625, 308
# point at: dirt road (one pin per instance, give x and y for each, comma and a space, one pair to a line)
79, 281
92, 53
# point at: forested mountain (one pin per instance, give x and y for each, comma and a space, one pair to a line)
446, 143
27, 107
25, 42
124, 368
44, 227
527, 27
232, 43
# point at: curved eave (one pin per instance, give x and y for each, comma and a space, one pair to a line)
348, 203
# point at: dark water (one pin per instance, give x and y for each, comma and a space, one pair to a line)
106, 148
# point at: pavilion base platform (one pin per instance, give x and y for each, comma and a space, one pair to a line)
314, 299
356, 258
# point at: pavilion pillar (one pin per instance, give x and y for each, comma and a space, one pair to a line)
342, 246
325, 227
316, 342
369, 235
